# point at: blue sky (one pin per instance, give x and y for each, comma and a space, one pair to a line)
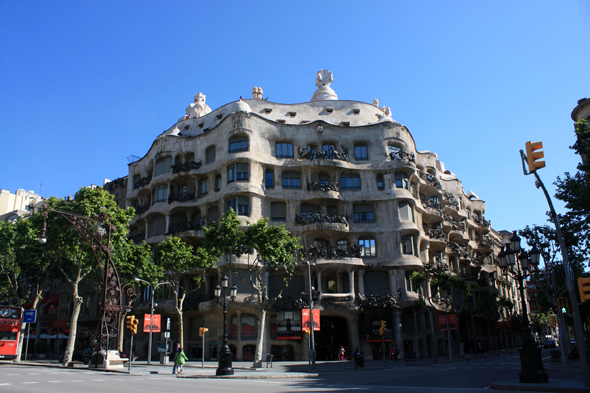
85, 84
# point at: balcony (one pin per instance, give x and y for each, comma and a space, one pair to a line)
437, 233
186, 166
316, 252
330, 154
181, 197
456, 248
456, 225
401, 155
312, 218
323, 186
184, 226
430, 179
144, 181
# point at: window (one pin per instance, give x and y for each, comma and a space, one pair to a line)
269, 179
161, 194
324, 180
163, 165
350, 182
238, 144
408, 245
291, 180
240, 204
307, 211
414, 190
238, 172
360, 152
380, 182
405, 211
327, 148
217, 182
210, 155
212, 214
342, 245
284, 150
367, 247
278, 211
401, 180
204, 187
157, 226
363, 213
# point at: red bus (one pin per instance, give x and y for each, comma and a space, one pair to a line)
10, 321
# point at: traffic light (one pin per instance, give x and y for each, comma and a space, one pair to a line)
132, 324
532, 155
130, 320
584, 288
202, 330
383, 328
564, 307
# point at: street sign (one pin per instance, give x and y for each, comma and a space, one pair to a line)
29, 316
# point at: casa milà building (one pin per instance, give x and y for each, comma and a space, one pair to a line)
349, 182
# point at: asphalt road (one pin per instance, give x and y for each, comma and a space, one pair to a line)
473, 376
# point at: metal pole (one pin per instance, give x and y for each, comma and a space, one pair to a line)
449, 334
151, 327
203, 353
311, 329
28, 337
130, 353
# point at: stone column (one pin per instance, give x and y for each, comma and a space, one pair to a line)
167, 223
362, 281
351, 280
397, 329
353, 328
339, 282
319, 288
392, 286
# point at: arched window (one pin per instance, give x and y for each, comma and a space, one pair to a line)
284, 150
350, 181
238, 143
363, 213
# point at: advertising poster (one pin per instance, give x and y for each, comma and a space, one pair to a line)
442, 322
156, 325
305, 320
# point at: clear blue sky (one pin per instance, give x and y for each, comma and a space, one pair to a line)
85, 84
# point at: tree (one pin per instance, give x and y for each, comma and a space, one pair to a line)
267, 248
24, 271
75, 257
177, 260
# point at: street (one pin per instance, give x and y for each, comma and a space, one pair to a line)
473, 376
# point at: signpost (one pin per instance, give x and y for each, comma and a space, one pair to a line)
29, 317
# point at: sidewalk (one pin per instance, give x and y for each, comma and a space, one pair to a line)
562, 378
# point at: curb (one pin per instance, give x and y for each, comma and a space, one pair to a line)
539, 388
260, 376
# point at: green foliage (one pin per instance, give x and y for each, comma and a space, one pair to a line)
175, 258
225, 238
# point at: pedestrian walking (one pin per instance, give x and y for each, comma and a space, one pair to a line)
176, 350
394, 353
179, 361
341, 352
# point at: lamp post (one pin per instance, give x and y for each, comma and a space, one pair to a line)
225, 355
311, 330
153, 289
447, 300
531, 362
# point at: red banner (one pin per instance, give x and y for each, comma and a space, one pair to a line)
155, 326
305, 322
442, 322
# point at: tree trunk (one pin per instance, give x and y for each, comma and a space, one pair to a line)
433, 332
73, 324
260, 339
23, 329
122, 329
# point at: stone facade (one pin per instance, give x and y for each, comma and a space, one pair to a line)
368, 207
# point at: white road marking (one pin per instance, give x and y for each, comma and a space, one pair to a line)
54, 381
12, 374
29, 383
5, 384
34, 373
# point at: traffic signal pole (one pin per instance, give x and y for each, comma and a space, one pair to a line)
569, 273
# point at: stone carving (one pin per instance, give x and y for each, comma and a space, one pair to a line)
320, 128
257, 93
400, 155
310, 218
377, 301
198, 108
376, 102
323, 186
324, 92
330, 154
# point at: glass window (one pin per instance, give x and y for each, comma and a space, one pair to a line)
360, 152
401, 180
307, 211
204, 189
284, 150
408, 245
161, 194
240, 204
163, 165
350, 182
291, 180
328, 148
324, 180
394, 151
231, 174
210, 155
238, 172
217, 182
269, 179
413, 190
363, 214
380, 183
278, 211
238, 144
367, 247
342, 245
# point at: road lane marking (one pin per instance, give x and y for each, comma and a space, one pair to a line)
12, 374
34, 373
5, 384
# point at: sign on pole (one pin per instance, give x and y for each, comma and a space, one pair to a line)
29, 316
155, 326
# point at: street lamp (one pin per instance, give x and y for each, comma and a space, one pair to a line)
311, 330
153, 289
225, 355
531, 362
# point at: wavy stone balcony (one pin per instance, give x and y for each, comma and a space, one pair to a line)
144, 181
186, 166
181, 197
330, 154
316, 252
430, 180
323, 186
313, 218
